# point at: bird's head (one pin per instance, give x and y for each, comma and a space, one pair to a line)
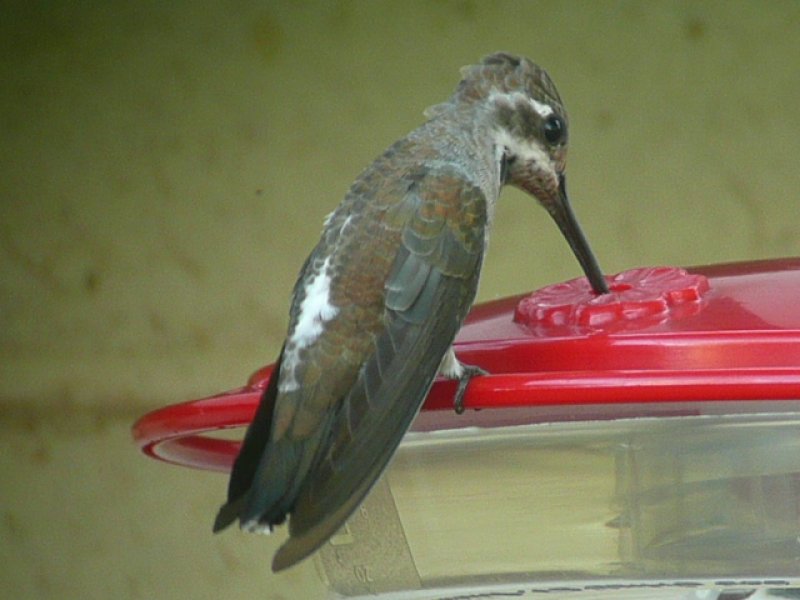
529, 128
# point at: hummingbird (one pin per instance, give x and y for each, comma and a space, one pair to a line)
383, 294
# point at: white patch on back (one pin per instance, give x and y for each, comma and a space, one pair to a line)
315, 310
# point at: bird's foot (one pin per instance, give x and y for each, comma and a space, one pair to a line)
467, 373
452, 368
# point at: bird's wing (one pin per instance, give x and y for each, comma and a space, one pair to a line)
292, 422
429, 290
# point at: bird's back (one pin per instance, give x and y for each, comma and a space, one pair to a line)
377, 305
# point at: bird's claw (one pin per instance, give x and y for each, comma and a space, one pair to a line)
469, 371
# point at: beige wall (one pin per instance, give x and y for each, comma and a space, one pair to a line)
164, 168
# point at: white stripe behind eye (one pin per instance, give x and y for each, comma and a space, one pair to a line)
542, 109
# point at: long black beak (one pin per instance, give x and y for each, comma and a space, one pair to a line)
561, 211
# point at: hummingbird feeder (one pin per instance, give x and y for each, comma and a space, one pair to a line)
644, 439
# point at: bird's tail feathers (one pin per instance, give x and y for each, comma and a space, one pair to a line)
227, 514
253, 447
279, 480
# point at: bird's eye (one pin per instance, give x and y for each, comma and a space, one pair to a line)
555, 129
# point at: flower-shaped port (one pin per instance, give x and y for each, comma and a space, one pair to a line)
635, 296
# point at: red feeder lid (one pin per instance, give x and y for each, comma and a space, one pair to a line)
662, 335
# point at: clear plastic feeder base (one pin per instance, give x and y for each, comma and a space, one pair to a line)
634, 506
